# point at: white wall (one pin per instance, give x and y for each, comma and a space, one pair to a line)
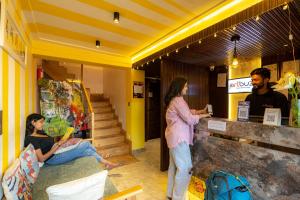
114, 87
92, 76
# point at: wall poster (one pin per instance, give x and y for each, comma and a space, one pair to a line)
138, 89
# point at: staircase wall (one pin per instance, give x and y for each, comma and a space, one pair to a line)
92, 76
114, 88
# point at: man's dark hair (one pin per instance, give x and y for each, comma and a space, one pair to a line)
263, 72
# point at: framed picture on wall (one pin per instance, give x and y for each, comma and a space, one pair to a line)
138, 89
290, 66
274, 72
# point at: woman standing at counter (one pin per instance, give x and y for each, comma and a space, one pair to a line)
179, 135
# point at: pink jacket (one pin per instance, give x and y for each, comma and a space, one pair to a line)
180, 122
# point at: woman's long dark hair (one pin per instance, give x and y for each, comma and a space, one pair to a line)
29, 127
175, 89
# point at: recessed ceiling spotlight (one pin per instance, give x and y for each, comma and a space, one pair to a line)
257, 18
116, 17
97, 43
215, 35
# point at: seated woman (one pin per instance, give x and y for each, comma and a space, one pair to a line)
45, 146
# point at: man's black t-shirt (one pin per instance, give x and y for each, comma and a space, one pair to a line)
43, 143
271, 99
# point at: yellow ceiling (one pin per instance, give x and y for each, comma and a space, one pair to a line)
143, 23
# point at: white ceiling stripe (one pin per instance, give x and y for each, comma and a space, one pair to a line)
140, 10
101, 15
81, 28
169, 7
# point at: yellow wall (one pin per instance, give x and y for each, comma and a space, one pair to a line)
18, 96
135, 111
243, 70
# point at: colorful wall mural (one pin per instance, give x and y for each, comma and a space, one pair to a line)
61, 103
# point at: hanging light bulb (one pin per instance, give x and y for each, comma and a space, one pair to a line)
235, 61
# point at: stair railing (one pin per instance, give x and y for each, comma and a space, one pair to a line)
87, 107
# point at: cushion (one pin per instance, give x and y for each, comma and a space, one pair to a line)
15, 184
91, 187
56, 174
70, 144
30, 164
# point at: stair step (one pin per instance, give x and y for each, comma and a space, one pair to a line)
97, 104
105, 123
102, 109
97, 97
107, 131
115, 150
107, 141
104, 116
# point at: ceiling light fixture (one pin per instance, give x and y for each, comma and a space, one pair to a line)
176, 50
234, 39
215, 35
116, 17
187, 46
199, 41
285, 6
97, 43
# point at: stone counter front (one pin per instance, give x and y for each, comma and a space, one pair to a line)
273, 174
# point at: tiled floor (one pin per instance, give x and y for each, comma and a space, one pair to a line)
145, 172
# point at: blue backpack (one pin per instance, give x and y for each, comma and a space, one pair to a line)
221, 185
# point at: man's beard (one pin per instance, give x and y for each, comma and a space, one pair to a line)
257, 87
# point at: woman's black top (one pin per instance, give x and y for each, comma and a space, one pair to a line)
43, 143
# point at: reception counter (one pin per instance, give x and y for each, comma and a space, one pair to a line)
268, 156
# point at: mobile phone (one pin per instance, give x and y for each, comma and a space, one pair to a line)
209, 109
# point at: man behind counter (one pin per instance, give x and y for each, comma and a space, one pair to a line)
263, 95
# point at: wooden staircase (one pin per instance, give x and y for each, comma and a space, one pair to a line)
56, 71
109, 137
